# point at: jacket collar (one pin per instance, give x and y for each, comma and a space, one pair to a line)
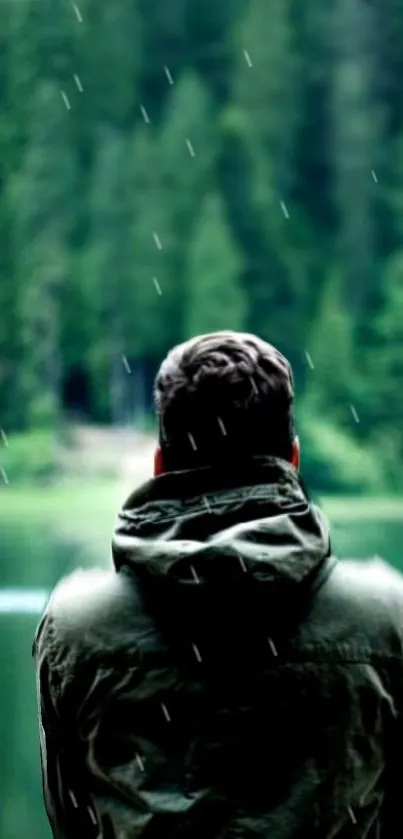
204, 524
191, 483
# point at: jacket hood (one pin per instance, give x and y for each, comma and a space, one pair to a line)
200, 526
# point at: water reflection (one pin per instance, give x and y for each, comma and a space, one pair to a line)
20, 602
363, 539
33, 559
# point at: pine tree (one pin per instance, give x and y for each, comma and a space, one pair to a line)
331, 388
215, 296
385, 369
107, 272
41, 210
110, 56
152, 326
266, 92
355, 130
186, 150
260, 128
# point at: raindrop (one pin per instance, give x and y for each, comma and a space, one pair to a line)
140, 762
78, 13
272, 647
65, 100
157, 286
145, 116
168, 75
309, 360
197, 652
126, 364
190, 147
284, 209
354, 413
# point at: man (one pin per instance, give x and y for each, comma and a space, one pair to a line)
228, 679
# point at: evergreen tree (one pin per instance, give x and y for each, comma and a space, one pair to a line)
154, 297
215, 297
107, 273
110, 56
355, 134
386, 370
186, 151
41, 211
10, 407
266, 107
266, 92
332, 383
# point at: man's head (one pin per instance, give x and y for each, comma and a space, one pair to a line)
221, 397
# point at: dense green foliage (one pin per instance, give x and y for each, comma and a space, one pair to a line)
171, 168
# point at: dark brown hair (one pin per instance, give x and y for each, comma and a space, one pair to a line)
224, 395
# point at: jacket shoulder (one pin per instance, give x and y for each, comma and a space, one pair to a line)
371, 580
91, 603
364, 600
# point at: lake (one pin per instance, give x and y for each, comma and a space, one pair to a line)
45, 534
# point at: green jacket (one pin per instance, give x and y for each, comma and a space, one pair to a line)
228, 678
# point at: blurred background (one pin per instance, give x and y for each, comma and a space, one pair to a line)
166, 169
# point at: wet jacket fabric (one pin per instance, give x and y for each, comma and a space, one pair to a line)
227, 678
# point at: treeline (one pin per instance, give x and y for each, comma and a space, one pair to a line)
172, 168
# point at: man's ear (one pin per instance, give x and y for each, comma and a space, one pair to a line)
159, 466
296, 454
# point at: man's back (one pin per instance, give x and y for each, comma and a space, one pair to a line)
229, 679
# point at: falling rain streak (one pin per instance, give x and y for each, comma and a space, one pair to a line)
168, 75
192, 442
190, 147
194, 574
65, 100
126, 364
4, 437
309, 360
157, 241
73, 798
272, 647
78, 83
92, 816
197, 652
222, 426
242, 564
78, 13
157, 286
284, 209
354, 413
144, 114
3, 474
247, 58
165, 712
140, 763
352, 816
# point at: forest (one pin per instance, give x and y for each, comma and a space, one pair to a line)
171, 168
167, 168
